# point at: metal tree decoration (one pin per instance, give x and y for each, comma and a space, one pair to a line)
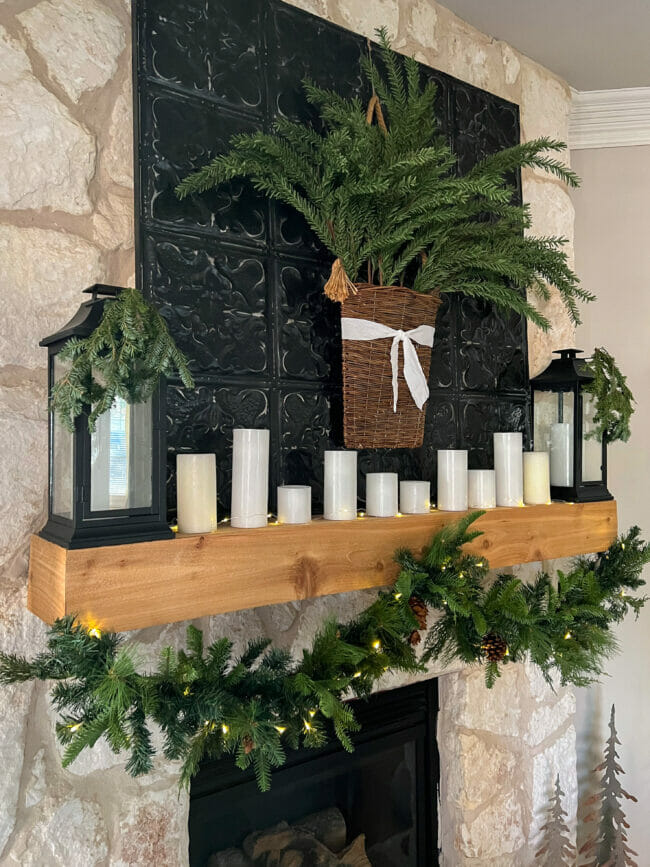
558, 850
608, 846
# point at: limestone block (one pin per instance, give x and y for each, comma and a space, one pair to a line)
68, 833
41, 280
316, 7
559, 758
496, 831
548, 718
80, 41
422, 22
364, 16
466, 702
467, 60
13, 720
151, 828
113, 219
118, 155
545, 103
36, 786
475, 769
23, 477
52, 157
511, 64
551, 207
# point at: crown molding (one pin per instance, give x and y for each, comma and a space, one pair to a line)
609, 118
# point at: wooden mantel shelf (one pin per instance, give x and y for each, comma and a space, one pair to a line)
125, 587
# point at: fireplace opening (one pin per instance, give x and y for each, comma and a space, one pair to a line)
377, 805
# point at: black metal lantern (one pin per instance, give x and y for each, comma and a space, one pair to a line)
563, 423
105, 487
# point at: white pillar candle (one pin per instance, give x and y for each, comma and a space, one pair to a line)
561, 455
381, 494
196, 493
250, 478
482, 489
592, 460
414, 497
294, 504
509, 469
340, 489
537, 478
452, 480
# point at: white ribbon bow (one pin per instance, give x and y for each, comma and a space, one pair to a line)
363, 329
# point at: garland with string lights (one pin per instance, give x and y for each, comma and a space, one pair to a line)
256, 706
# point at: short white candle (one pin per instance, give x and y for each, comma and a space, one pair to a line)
414, 497
340, 488
509, 469
537, 478
196, 493
561, 455
294, 504
250, 478
381, 494
482, 489
452, 480
592, 460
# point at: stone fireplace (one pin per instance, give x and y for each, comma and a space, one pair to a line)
66, 221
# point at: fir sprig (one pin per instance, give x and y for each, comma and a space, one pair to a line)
124, 357
255, 707
614, 402
386, 199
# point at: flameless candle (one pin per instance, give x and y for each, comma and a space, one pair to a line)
250, 478
340, 490
561, 455
452, 480
381, 494
482, 489
537, 481
196, 493
294, 504
509, 469
414, 497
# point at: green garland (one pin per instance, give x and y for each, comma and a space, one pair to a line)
614, 400
125, 356
256, 706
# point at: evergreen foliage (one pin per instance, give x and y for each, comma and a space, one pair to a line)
557, 849
208, 702
608, 847
387, 201
125, 356
613, 398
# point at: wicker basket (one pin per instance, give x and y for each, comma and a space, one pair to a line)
368, 418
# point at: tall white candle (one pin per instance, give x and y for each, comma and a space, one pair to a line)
381, 494
250, 478
340, 489
196, 493
294, 504
414, 497
452, 480
561, 455
592, 460
537, 478
508, 467
482, 489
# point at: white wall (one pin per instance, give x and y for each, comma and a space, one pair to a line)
612, 247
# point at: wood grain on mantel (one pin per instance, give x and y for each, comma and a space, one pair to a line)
125, 587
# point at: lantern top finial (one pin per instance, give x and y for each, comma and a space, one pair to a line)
568, 353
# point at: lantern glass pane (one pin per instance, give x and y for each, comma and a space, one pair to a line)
62, 458
592, 448
120, 458
553, 432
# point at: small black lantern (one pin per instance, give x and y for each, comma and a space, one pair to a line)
563, 419
105, 487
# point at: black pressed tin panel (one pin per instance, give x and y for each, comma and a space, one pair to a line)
239, 279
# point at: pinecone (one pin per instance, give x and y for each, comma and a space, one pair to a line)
248, 744
494, 647
420, 611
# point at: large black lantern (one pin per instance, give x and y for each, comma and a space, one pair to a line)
105, 487
563, 425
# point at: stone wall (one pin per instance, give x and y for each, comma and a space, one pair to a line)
65, 222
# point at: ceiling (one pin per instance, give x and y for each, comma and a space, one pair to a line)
592, 44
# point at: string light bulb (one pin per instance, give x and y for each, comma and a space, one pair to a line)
281, 729
376, 645
567, 635
356, 674
225, 729
398, 596
312, 714
95, 632
75, 727
308, 727
187, 691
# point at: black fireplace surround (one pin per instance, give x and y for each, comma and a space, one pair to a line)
239, 279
